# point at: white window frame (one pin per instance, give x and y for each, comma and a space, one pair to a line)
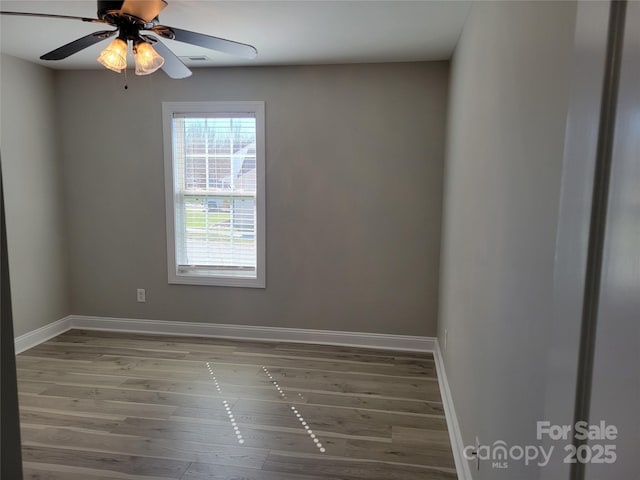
216, 108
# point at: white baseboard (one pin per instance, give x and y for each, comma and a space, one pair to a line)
239, 332
455, 435
42, 334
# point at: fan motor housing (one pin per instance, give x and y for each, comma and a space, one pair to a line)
106, 7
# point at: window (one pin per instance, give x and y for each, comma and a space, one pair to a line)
214, 174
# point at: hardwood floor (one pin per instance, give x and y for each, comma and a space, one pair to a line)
102, 405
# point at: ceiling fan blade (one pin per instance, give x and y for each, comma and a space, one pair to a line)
48, 15
77, 45
147, 10
206, 41
173, 66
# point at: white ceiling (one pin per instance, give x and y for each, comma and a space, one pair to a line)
284, 32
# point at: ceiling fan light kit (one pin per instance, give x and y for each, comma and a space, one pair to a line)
131, 18
114, 57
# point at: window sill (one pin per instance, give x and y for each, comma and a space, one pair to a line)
212, 281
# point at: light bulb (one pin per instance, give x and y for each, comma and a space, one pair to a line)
114, 57
147, 59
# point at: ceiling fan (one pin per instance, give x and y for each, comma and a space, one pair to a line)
133, 20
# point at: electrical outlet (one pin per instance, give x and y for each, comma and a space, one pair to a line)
142, 295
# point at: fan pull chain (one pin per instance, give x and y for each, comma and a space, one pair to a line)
126, 85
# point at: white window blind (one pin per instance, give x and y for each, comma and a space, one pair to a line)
216, 172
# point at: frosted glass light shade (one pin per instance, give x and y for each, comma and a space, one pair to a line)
147, 59
114, 57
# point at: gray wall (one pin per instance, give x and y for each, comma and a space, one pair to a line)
354, 176
36, 232
506, 128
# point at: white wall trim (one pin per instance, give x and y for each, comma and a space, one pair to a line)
42, 334
246, 332
217, 330
455, 435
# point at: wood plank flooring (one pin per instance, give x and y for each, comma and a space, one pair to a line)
103, 405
